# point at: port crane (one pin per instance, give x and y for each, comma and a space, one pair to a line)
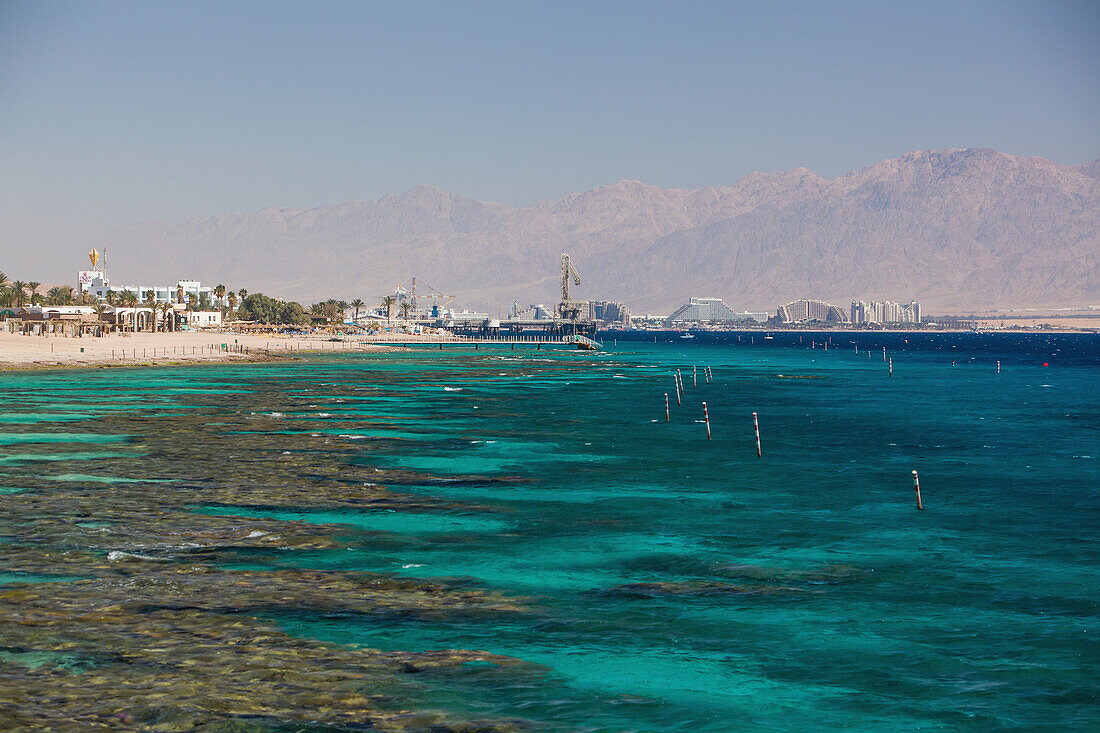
569, 309
433, 295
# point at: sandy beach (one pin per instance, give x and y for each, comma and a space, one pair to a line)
151, 349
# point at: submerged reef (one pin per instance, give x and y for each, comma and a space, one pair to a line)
126, 607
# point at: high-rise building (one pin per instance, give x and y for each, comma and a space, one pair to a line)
885, 312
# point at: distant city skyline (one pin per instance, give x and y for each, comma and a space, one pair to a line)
118, 112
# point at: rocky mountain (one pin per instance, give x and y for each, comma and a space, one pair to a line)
953, 228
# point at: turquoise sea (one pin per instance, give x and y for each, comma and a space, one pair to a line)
670, 582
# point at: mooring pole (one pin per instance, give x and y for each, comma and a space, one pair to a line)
756, 427
916, 488
706, 419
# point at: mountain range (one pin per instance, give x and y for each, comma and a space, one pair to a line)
955, 229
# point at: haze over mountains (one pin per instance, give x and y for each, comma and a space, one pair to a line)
953, 228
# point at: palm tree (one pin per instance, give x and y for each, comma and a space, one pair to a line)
387, 303
243, 293
357, 304
60, 295
151, 301
165, 309
34, 291
100, 308
129, 299
405, 307
232, 305
179, 293
19, 292
219, 293
4, 291
112, 297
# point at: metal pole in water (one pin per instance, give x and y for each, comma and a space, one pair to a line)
998, 367
884, 353
677, 381
666, 406
916, 488
706, 419
695, 377
891, 362
756, 427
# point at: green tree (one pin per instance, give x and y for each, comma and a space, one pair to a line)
33, 285
357, 304
405, 308
60, 295
19, 292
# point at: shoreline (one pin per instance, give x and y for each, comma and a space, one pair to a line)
143, 349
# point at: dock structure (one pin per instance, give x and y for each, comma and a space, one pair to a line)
512, 341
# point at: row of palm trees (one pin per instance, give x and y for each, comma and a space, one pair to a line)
404, 306
334, 310
18, 293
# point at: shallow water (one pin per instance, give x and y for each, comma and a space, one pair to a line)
674, 583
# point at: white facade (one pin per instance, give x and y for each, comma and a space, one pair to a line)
204, 319
97, 284
885, 312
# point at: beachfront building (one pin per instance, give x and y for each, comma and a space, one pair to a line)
85, 320
96, 283
805, 311
885, 312
609, 312
204, 319
712, 310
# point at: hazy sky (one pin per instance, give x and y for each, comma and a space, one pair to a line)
113, 112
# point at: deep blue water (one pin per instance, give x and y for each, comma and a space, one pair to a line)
677, 583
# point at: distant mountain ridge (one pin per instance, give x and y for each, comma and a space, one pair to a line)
953, 228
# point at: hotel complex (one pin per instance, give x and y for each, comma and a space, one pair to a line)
885, 312
95, 283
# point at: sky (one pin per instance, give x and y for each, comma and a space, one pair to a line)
116, 112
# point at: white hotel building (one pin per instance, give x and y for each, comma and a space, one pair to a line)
96, 283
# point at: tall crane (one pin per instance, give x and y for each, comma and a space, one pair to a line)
568, 308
